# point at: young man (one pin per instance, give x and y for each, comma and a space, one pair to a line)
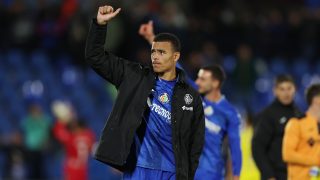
155, 106
269, 130
301, 142
221, 120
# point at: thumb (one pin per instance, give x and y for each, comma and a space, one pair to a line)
150, 23
115, 13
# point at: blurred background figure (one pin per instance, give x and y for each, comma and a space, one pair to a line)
249, 169
14, 162
77, 140
36, 132
269, 130
301, 145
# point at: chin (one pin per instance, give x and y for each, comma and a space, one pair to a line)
157, 70
201, 92
287, 102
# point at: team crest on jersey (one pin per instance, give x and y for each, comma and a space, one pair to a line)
208, 111
164, 98
188, 98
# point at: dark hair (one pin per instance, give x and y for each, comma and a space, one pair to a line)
283, 78
311, 92
168, 37
216, 72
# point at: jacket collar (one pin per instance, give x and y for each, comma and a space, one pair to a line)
181, 77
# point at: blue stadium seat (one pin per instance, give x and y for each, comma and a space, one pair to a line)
300, 67
278, 66
229, 63
15, 58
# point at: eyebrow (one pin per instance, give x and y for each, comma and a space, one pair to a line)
159, 50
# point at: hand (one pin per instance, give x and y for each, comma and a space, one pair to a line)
146, 31
105, 14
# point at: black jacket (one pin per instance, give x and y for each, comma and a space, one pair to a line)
134, 83
267, 139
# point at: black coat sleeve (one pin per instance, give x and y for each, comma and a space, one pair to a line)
261, 141
197, 138
107, 65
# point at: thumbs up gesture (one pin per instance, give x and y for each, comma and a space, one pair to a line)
105, 14
146, 31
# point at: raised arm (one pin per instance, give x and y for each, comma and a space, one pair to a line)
107, 65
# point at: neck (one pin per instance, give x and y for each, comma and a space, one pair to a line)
214, 95
169, 75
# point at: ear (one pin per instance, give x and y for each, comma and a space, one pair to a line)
274, 90
176, 56
215, 84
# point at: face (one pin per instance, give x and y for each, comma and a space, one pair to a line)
316, 104
163, 57
206, 82
285, 92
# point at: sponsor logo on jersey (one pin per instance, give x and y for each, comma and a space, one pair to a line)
161, 112
212, 127
185, 108
208, 111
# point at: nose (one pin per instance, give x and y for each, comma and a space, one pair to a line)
154, 56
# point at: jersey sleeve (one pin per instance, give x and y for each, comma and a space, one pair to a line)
233, 130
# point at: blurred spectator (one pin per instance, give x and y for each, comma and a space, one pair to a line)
77, 140
301, 140
36, 130
244, 74
269, 130
249, 170
14, 164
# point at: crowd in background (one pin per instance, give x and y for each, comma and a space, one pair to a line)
253, 40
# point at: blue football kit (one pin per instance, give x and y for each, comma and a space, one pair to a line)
221, 120
155, 155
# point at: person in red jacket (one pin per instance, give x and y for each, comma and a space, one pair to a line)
77, 140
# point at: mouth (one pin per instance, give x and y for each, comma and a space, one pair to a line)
156, 64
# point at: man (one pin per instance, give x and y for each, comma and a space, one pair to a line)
269, 130
155, 106
78, 141
76, 138
301, 142
36, 133
221, 120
